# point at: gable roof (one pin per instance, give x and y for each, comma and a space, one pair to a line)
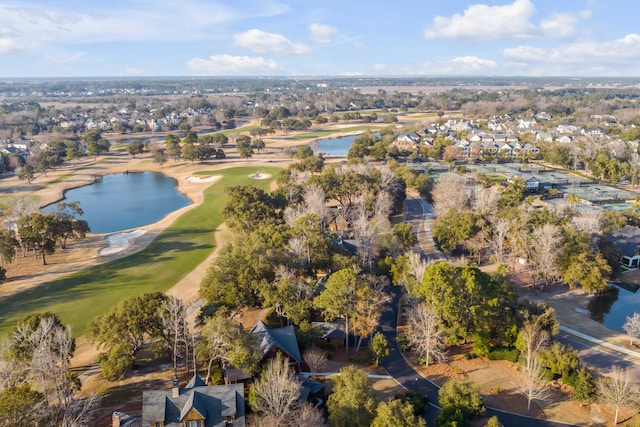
282, 338
195, 381
213, 403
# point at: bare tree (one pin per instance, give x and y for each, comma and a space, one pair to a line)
547, 241
278, 390
618, 389
632, 326
173, 318
308, 416
531, 340
501, 228
485, 201
425, 332
451, 192
591, 223
417, 266
314, 202
315, 359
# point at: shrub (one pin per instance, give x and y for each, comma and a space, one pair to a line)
417, 400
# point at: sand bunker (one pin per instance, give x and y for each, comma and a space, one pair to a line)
120, 241
198, 179
260, 175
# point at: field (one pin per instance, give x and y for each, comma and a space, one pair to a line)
181, 247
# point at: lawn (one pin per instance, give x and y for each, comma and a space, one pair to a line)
496, 177
80, 297
326, 133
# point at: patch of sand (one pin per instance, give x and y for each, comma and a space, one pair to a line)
200, 179
260, 175
118, 242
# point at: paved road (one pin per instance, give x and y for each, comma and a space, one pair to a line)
417, 211
406, 376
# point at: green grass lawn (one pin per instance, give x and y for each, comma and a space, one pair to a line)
80, 297
326, 133
496, 177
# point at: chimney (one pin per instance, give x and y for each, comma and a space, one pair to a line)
175, 390
115, 419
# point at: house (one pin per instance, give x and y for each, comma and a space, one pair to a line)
336, 221
628, 241
268, 342
196, 405
271, 341
531, 181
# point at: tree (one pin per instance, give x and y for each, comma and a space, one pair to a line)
189, 152
340, 296
632, 326
248, 207
351, 404
123, 330
277, 392
27, 172
396, 413
20, 406
379, 346
425, 332
589, 270
38, 232
453, 228
244, 147
559, 358
584, 388
315, 359
159, 156
532, 339
172, 145
135, 147
8, 245
493, 422
224, 340
619, 389
174, 328
461, 395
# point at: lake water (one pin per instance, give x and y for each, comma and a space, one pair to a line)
338, 146
128, 200
614, 306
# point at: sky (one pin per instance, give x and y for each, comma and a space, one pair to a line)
288, 38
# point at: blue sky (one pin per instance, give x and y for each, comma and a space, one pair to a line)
73, 38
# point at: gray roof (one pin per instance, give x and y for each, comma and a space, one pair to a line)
331, 330
281, 338
213, 403
627, 240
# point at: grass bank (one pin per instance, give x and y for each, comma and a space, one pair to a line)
326, 133
80, 297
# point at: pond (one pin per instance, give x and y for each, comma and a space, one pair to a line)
128, 200
613, 306
338, 146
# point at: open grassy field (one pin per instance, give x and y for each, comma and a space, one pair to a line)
326, 133
80, 297
496, 177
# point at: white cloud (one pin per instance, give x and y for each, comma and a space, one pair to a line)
380, 67
134, 20
228, 65
270, 43
460, 66
321, 33
470, 63
559, 25
587, 52
483, 22
10, 47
